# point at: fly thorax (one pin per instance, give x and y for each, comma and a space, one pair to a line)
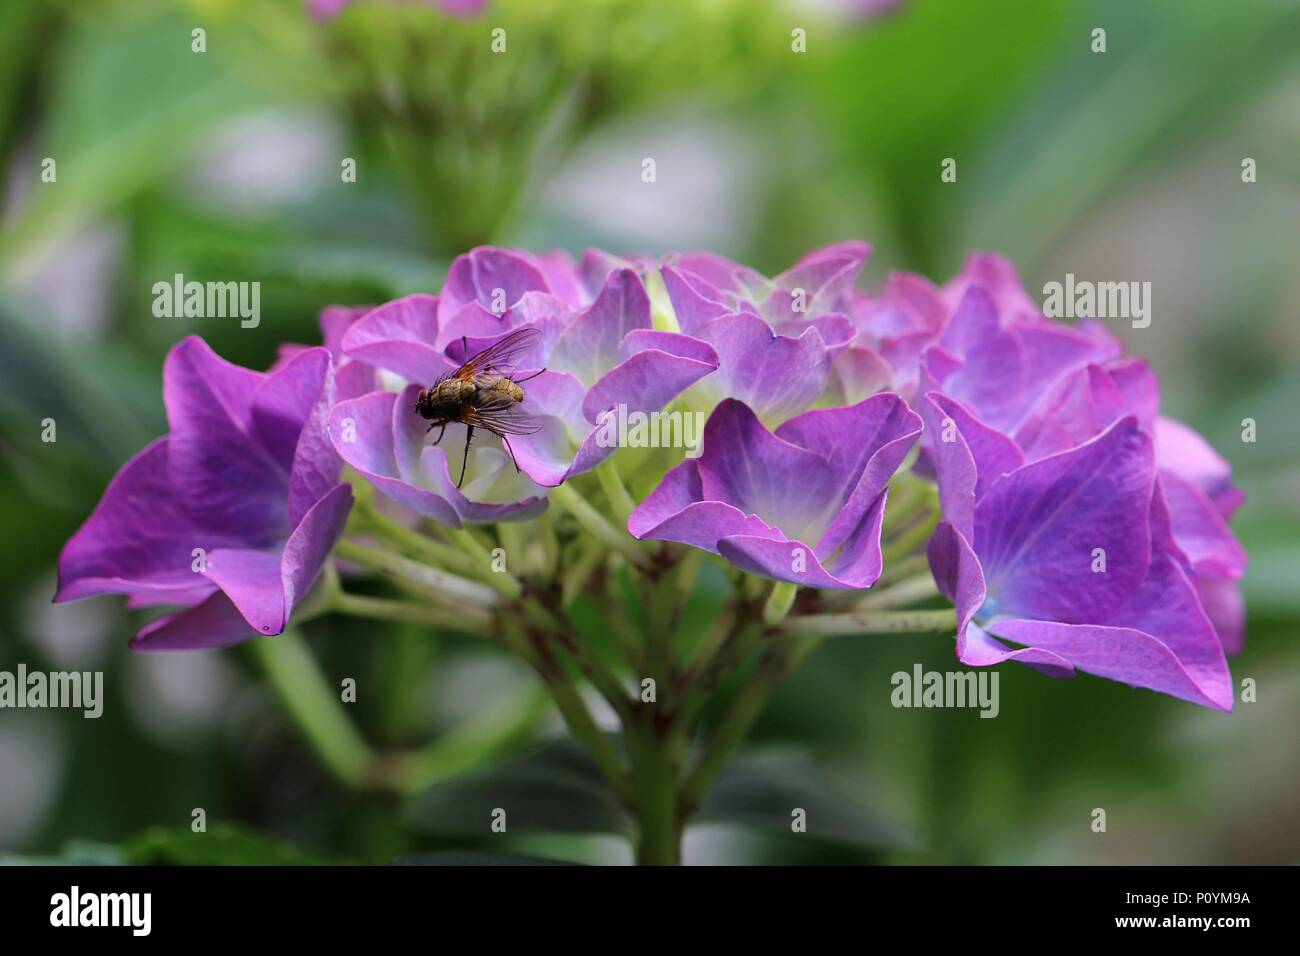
454, 391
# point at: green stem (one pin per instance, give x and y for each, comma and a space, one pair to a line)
899, 594
587, 556
568, 498
464, 619
454, 590
516, 547
778, 660
482, 737
908, 541
779, 602
660, 597
501, 581
656, 769
615, 492
315, 707
572, 708
872, 622
903, 568
413, 542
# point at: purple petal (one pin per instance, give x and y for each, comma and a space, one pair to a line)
361, 431
265, 585
745, 465
836, 329
477, 275
776, 376
589, 348
825, 268
1081, 405
334, 322
1200, 530
472, 321
981, 649
1125, 654
1038, 528
554, 398
316, 466
694, 302
399, 336
676, 511
214, 623
659, 367
998, 276
860, 372
284, 401
864, 444
1184, 452
1226, 609
720, 272
968, 465
224, 478
138, 539
594, 270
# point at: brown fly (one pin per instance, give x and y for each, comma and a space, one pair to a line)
483, 393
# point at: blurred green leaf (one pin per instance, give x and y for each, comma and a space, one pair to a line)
555, 788
129, 97
223, 844
472, 858
762, 792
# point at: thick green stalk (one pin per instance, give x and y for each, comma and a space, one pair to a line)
616, 492
370, 518
777, 661
315, 707
906, 591
656, 757
779, 602
463, 619
871, 623
501, 581
483, 736
452, 589
566, 497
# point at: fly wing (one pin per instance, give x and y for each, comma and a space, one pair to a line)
500, 357
501, 418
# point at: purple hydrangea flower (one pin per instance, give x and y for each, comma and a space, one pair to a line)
1019, 410
1071, 557
598, 348
804, 504
778, 340
351, 378
231, 515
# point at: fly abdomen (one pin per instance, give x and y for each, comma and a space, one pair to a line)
498, 388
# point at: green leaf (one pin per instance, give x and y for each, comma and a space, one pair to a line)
762, 792
128, 97
555, 788
222, 845
474, 858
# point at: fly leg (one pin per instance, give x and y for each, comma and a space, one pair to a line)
506, 441
440, 434
469, 436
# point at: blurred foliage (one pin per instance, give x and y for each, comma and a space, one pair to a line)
1063, 155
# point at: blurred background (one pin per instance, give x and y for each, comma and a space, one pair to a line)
226, 164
